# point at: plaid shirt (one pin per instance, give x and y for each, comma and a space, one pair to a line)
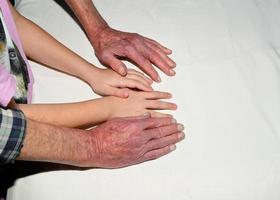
12, 132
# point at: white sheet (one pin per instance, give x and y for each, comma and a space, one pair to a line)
227, 88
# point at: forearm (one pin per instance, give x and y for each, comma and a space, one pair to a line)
43, 48
50, 143
82, 114
88, 16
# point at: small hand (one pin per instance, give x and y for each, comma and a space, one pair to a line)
139, 103
123, 142
107, 82
110, 45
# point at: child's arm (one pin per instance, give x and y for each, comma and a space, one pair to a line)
89, 113
43, 48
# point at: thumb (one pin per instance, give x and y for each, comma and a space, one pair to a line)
117, 65
122, 93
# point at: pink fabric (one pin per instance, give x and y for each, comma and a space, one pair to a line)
7, 87
6, 80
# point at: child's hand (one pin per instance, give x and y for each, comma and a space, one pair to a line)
106, 82
139, 103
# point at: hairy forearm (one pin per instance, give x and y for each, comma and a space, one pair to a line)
43, 48
88, 16
81, 114
50, 143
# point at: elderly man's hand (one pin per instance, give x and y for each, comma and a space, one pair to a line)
110, 45
123, 142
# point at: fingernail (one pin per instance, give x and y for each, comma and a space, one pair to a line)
146, 114
172, 72
158, 79
174, 106
125, 94
122, 71
180, 127
170, 51
173, 64
181, 135
173, 121
172, 147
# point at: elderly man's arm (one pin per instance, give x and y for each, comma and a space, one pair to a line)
48, 143
25, 139
116, 143
111, 44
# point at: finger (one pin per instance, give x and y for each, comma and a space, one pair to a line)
165, 141
146, 115
163, 131
163, 56
132, 71
163, 48
160, 105
157, 95
149, 123
152, 155
158, 114
139, 78
114, 63
156, 59
118, 92
144, 64
130, 83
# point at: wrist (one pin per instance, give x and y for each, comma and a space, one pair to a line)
98, 110
106, 107
86, 150
94, 36
90, 73
113, 106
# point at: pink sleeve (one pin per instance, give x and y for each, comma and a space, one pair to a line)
7, 87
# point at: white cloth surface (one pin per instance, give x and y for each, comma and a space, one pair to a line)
227, 88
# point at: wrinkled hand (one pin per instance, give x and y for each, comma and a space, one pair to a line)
123, 142
107, 82
110, 45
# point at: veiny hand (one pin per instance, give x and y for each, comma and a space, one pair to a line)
110, 45
123, 142
107, 82
139, 103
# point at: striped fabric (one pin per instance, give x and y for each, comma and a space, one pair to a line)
12, 132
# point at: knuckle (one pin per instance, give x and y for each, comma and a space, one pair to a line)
135, 36
137, 40
160, 132
155, 54
154, 104
104, 55
122, 82
133, 127
126, 44
160, 105
118, 93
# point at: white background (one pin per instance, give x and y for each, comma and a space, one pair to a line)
227, 88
